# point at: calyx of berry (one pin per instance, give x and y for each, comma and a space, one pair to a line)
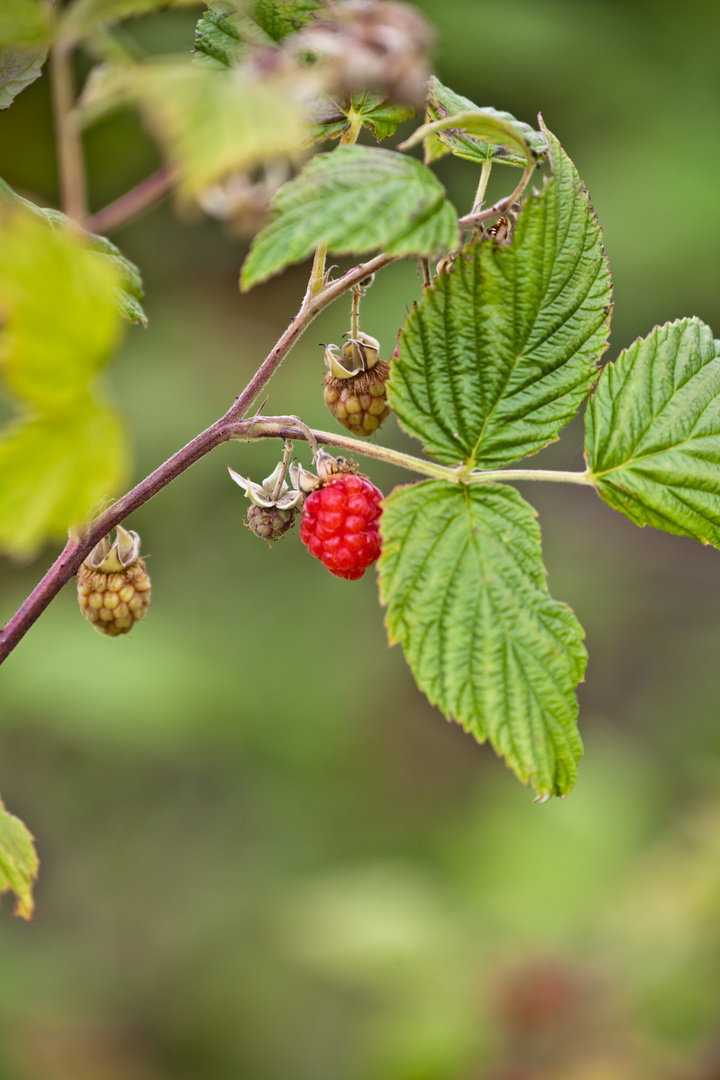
327, 467
273, 491
364, 347
114, 557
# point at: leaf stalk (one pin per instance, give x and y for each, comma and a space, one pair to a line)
482, 185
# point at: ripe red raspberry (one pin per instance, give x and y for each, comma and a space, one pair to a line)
340, 525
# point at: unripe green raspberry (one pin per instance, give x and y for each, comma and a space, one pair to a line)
113, 585
357, 397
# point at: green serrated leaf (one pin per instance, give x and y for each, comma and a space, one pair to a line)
501, 350
128, 292
55, 468
372, 110
462, 577
222, 34
226, 28
18, 69
85, 18
454, 124
19, 863
384, 117
280, 18
58, 310
653, 431
354, 200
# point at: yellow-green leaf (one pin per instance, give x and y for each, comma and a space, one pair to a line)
18, 863
212, 123
24, 22
128, 291
57, 305
55, 468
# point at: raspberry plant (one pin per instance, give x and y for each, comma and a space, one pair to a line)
498, 355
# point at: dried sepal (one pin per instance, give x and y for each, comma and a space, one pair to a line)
114, 557
327, 467
272, 492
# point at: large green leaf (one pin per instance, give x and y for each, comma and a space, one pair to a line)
454, 124
57, 301
55, 468
128, 292
502, 348
18, 863
19, 68
462, 576
653, 431
355, 200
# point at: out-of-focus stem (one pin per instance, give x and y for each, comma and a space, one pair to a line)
71, 166
132, 203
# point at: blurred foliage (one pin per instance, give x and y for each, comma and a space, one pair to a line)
264, 853
65, 448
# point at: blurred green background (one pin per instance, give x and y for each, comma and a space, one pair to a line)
264, 854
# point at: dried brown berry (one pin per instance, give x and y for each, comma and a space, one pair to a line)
113, 585
273, 506
270, 522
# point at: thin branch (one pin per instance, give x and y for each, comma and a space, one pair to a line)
276, 427
132, 203
470, 221
71, 166
81, 544
312, 306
